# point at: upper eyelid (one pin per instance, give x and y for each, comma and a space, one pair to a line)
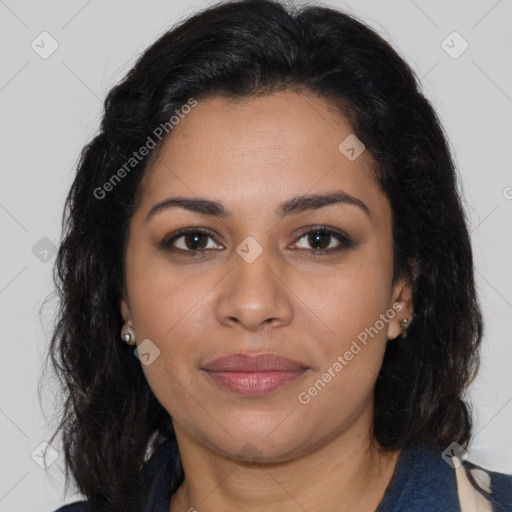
186, 231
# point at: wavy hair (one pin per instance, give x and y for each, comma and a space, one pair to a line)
110, 421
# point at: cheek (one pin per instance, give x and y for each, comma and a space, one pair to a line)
349, 299
169, 307
164, 297
356, 312
358, 316
173, 319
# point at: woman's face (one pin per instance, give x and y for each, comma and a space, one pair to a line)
254, 284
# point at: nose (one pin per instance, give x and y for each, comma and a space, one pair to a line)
254, 294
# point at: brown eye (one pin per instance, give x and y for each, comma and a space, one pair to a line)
194, 241
324, 240
190, 240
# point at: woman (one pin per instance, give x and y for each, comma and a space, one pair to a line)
269, 221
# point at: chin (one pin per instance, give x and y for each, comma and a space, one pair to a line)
258, 440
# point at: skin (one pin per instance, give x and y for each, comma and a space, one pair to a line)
252, 155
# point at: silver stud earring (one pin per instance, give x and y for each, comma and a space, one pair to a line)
404, 324
128, 335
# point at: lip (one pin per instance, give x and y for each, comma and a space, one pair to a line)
253, 374
265, 362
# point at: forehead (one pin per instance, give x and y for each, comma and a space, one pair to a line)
285, 124
256, 149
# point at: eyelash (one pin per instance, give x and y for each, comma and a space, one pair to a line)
342, 237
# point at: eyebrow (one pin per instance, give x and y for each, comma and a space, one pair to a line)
291, 206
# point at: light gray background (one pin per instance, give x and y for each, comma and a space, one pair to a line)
52, 107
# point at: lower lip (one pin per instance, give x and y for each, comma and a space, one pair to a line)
254, 383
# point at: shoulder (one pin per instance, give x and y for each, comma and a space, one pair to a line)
428, 480
159, 478
495, 487
425, 480
501, 487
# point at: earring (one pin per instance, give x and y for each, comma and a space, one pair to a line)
127, 334
404, 324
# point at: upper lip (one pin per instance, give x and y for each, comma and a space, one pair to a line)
253, 362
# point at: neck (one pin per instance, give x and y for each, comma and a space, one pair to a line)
347, 473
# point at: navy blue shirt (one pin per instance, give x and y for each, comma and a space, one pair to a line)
422, 482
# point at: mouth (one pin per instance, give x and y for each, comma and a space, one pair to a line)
253, 375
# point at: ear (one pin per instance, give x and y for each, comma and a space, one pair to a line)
124, 307
402, 304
